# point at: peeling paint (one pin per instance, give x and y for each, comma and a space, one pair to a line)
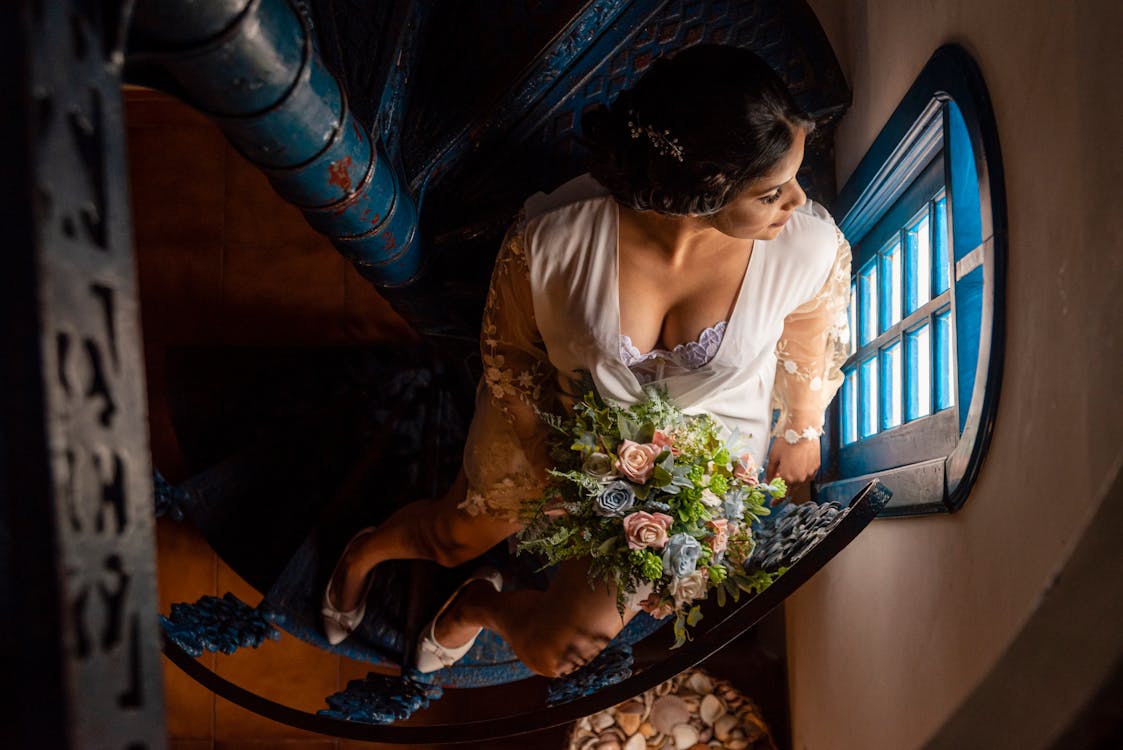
340, 174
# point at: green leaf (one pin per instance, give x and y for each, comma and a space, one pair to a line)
694, 617
661, 477
681, 636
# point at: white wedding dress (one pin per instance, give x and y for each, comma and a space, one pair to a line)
552, 314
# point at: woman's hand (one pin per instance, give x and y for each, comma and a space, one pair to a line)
795, 463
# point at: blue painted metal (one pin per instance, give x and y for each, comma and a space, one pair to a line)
610, 666
169, 499
381, 699
213, 624
263, 81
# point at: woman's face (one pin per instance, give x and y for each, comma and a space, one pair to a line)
760, 211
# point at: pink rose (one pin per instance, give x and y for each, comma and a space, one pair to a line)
643, 529
720, 539
745, 469
663, 440
656, 607
637, 460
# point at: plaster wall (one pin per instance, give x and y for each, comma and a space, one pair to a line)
889, 639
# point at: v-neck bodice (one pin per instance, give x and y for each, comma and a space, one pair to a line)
689, 356
659, 363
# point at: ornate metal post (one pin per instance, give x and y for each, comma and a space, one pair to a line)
78, 620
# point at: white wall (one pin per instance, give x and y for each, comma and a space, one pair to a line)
889, 639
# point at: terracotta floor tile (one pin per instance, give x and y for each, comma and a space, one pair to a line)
289, 293
254, 212
148, 108
189, 711
185, 564
353, 669
180, 290
289, 744
177, 183
236, 724
176, 744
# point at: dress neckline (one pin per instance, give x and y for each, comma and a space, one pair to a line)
729, 322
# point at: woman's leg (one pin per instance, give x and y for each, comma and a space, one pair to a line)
553, 632
423, 530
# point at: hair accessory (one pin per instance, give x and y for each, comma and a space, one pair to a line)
663, 143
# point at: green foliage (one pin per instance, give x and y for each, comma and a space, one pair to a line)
564, 524
648, 564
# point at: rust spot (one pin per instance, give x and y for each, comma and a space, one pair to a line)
339, 174
388, 241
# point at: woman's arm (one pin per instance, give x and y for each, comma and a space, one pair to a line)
810, 353
505, 458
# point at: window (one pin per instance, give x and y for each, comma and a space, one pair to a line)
925, 215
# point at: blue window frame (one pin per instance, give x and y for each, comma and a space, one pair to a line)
925, 215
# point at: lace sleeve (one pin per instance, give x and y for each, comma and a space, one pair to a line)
810, 353
505, 458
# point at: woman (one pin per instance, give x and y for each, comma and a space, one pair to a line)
692, 260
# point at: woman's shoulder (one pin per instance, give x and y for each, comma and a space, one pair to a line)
813, 219
811, 232
579, 190
573, 221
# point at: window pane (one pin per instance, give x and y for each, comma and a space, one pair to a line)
919, 264
891, 386
944, 376
853, 314
891, 285
867, 299
941, 270
867, 403
919, 373
850, 407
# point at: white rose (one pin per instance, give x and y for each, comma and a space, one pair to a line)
688, 588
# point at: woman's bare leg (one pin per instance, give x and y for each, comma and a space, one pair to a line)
423, 530
553, 632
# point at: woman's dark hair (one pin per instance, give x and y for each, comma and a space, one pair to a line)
693, 132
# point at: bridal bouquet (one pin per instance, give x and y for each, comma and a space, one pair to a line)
657, 500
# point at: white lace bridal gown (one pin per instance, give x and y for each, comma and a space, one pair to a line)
552, 314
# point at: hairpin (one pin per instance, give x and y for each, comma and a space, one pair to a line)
662, 142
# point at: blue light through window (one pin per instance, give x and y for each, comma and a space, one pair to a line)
918, 345
891, 386
945, 376
891, 285
905, 347
867, 302
850, 406
940, 263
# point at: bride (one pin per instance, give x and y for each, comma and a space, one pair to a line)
690, 258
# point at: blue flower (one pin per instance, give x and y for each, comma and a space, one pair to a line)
734, 504
681, 554
615, 499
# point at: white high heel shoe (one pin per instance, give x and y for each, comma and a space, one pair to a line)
431, 655
338, 624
